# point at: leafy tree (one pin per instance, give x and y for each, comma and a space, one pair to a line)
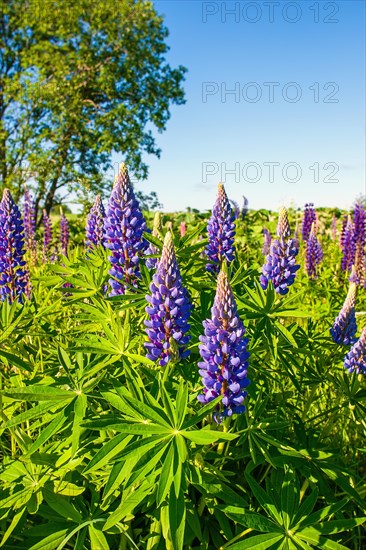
79, 81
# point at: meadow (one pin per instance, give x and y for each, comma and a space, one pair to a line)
107, 443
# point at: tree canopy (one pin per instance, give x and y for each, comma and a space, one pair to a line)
80, 80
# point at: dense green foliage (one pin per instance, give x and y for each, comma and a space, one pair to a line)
79, 81
103, 449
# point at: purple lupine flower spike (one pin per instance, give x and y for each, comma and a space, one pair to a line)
168, 310
308, 219
95, 225
224, 352
123, 234
314, 253
334, 228
280, 266
64, 233
267, 241
152, 263
345, 328
359, 224
13, 268
221, 232
47, 237
348, 246
29, 217
244, 210
355, 360
235, 208
358, 269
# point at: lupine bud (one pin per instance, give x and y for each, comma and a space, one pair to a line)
221, 232
95, 225
183, 229
348, 246
64, 231
358, 269
314, 254
29, 217
355, 360
344, 328
13, 269
123, 232
334, 228
308, 219
168, 310
157, 232
244, 210
267, 241
224, 352
280, 266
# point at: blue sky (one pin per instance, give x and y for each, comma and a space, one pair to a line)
293, 130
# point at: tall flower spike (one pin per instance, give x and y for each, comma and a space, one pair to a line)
221, 232
13, 269
47, 237
334, 228
244, 210
152, 263
358, 269
348, 245
280, 266
355, 360
267, 241
95, 225
359, 218
344, 328
64, 230
168, 310
123, 234
314, 253
236, 208
29, 217
224, 352
308, 219
183, 228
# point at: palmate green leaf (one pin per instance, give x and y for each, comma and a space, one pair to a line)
127, 506
79, 412
323, 513
286, 334
312, 536
97, 539
181, 403
258, 542
31, 414
306, 507
15, 360
39, 393
339, 525
264, 499
52, 541
251, 520
61, 505
52, 429
13, 524
177, 518
141, 408
290, 492
108, 451
206, 437
166, 476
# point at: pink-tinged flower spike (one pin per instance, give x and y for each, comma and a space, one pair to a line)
29, 217
13, 268
152, 263
348, 245
359, 224
183, 229
168, 310
345, 328
308, 219
64, 230
358, 269
224, 352
314, 253
95, 225
47, 237
123, 232
355, 360
221, 232
280, 266
334, 228
267, 241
